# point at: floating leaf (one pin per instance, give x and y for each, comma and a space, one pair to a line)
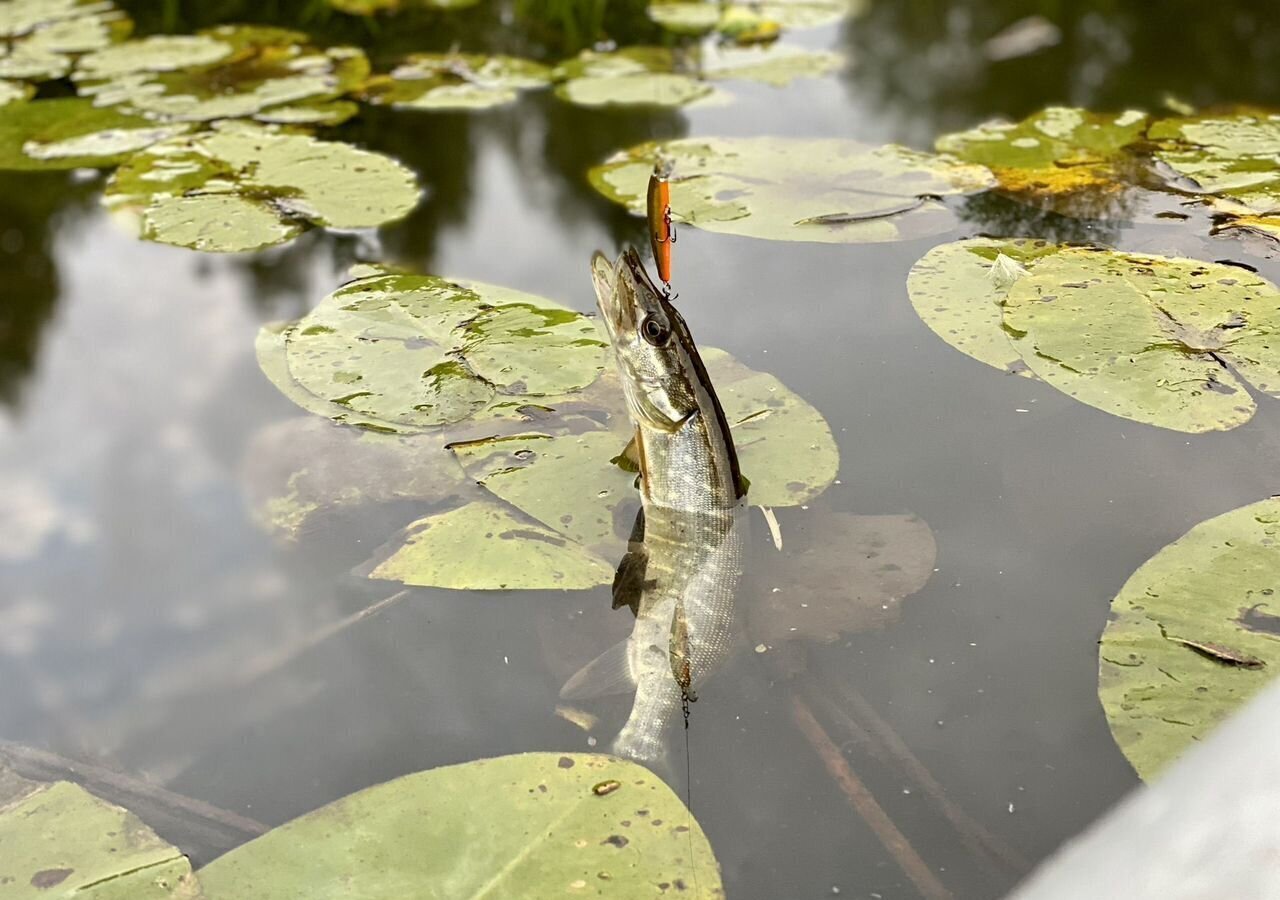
1234, 158
455, 81
828, 191
776, 65
14, 92
656, 89
1193, 634
226, 72
72, 133
61, 841
486, 546
370, 7
40, 38
1059, 150
1166, 341
242, 187
701, 16
529, 825
841, 574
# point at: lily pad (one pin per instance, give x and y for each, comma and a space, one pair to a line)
529, 825
1194, 633
1234, 158
702, 16
61, 841
841, 574
405, 353
827, 191
231, 71
72, 133
15, 92
39, 39
434, 81
1059, 150
1166, 341
371, 7
243, 187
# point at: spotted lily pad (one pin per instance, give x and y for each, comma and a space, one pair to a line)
1059, 150
827, 191
529, 825
455, 81
72, 133
702, 16
1166, 341
61, 841
404, 353
226, 72
39, 39
1236, 159
242, 187
1193, 634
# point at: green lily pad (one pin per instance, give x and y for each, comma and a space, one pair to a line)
409, 352
529, 825
15, 92
455, 81
1234, 158
487, 546
372, 7
1059, 150
1193, 634
39, 39
232, 71
72, 133
242, 187
777, 64
311, 112
1166, 341
61, 841
702, 16
827, 191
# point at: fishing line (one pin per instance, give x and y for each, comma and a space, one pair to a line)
688, 787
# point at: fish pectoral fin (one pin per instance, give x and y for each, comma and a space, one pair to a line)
629, 580
607, 674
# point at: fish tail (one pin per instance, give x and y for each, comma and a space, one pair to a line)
642, 745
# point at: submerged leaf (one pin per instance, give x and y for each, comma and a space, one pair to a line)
61, 841
242, 187
455, 81
529, 825
1193, 634
828, 191
72, 133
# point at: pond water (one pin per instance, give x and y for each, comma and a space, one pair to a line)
147, 620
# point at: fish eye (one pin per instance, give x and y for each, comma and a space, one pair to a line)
655, 331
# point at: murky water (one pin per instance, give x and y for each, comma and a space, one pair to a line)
146, 620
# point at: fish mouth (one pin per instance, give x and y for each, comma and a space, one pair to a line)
618, 286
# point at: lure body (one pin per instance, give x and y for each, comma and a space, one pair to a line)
662, 233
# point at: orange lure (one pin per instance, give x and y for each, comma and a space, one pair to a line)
662, 233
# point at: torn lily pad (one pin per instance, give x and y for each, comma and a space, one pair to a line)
436, 81
1170, 342
61, 841
528, 825
72, 133
1057, 151
1236, 159
1193, 634
39, 39
243, 187
733, 19
404, 353
233, 71
827, 191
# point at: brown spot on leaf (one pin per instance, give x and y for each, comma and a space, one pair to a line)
565, 763
47, 878
616, 840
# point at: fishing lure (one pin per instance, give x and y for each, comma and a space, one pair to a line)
662, 231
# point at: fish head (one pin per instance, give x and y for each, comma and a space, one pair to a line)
655, 354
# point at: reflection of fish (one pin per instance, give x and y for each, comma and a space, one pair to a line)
682, 568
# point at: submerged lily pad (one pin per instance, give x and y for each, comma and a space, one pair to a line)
226, 72
61, 841
39, 39
1234, 158
1193, 634
1166, 341
529, 825
1059, 150
455, 81
409, 352
731, 19
828, 191
72, 133
242, 187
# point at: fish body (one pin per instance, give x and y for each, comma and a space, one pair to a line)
682, 567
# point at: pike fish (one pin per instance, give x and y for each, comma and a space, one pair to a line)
682, 566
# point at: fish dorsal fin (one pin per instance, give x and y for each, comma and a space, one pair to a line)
629, 579
609, 673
